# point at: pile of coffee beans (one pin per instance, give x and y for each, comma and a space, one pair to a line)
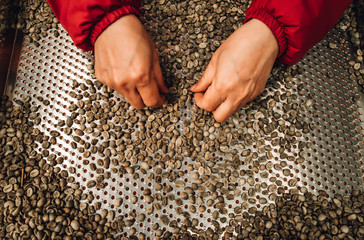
352, 26
37, 201
36, 18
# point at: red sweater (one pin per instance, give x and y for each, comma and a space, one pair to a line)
297, 24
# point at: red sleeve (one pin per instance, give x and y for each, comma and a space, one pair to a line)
84, 20
297, 24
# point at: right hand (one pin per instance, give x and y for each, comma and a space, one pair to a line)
238, 70
127, 61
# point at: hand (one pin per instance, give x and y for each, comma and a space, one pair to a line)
238, 70
127, 61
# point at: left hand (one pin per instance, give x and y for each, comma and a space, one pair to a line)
238, 70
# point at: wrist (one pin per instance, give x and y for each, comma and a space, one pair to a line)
121, 27
265, 36
110, 18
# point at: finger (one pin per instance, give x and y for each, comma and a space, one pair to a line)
224, 111
209, 100
227, 109
150, 94
159, 77
133, 97
205, 81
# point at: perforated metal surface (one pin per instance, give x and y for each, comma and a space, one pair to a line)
333, 162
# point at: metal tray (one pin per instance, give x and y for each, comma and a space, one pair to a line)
333, 162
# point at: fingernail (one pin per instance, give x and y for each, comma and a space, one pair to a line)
193, 87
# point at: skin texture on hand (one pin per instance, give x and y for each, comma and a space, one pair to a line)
238, 70
127, 61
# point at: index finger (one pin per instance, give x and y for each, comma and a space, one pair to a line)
228, 108
224, 111
209, 100
133, 97
150, 94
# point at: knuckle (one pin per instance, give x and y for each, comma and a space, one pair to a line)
136, 75
142, 81
139, 75
122, 84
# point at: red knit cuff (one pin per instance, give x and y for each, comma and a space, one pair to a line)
264, 16
110, 18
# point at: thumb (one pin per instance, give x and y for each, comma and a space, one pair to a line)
205, 81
